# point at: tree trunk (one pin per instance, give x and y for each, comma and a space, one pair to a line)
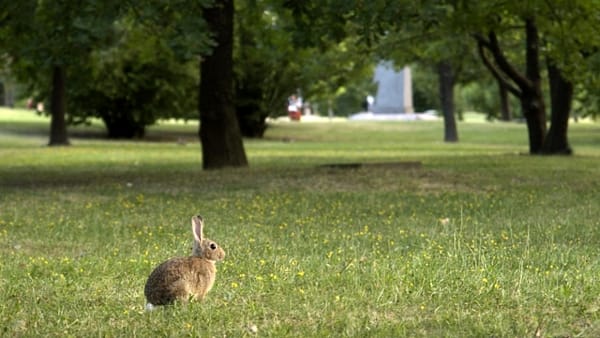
2, 94
561, 93
446, 86
532, 100
525, 87
505, 113
222, 144
58, 125
122, 125
532, 105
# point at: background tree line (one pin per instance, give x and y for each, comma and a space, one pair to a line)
233, 64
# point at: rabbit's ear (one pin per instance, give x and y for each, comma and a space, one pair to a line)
197, 228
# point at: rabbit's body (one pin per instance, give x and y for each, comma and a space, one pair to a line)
185, 278
180, 278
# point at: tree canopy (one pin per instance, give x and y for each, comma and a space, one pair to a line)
46, 39
131, 63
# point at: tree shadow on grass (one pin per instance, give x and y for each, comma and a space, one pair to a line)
181, 134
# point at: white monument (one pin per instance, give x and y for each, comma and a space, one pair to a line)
394, 90
393, 100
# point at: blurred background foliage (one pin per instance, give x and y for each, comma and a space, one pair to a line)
130, 64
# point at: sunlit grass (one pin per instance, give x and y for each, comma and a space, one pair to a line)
479, 241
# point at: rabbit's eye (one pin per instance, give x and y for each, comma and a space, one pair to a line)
213, 246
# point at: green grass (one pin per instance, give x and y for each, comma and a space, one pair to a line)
481, 241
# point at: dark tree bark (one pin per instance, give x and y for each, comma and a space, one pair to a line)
222, 144
503, 87
2, 94
526, 87
446, 85
533, 103
252, 123
58, 124
122, 125
561, 93
505, 112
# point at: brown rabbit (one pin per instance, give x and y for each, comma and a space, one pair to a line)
184, 278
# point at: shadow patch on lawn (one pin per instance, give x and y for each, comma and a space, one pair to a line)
374, 165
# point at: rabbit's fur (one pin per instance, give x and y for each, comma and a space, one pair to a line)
185, 278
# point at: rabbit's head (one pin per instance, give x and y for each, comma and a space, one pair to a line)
204, 247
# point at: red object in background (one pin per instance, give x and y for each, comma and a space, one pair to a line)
295, 115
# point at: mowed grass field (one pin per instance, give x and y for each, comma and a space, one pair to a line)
479, 241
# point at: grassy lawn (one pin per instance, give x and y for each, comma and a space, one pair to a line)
479, 241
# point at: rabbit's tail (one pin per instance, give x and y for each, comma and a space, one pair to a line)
150, 307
